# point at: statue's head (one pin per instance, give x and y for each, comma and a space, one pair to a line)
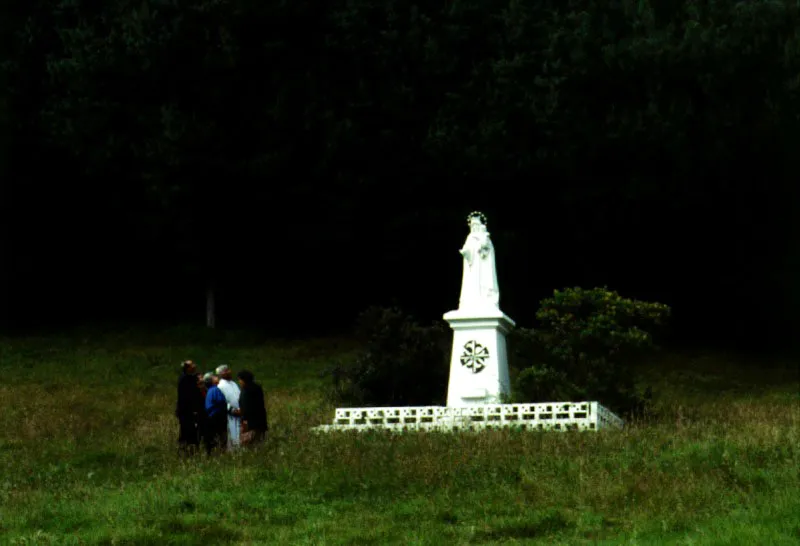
476, 221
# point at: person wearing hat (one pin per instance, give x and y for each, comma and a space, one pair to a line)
188, 409
232, 392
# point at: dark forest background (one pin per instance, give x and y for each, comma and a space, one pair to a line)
309, 159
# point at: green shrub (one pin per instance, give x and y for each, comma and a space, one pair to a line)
584, 346
402, 362
541, 383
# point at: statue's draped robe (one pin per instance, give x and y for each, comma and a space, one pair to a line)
479, 281
232, 392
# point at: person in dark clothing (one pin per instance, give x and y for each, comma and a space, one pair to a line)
252, 408
202, 419
216, 424
188, 409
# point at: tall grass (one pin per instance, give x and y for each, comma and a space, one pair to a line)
89, 456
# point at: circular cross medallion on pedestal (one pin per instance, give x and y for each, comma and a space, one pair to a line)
474, 356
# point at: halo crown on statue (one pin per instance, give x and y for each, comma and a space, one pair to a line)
476, 215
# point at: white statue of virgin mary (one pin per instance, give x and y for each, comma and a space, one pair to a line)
479, 281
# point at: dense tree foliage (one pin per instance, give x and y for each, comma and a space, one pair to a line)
401, 363
585, 346
312, 156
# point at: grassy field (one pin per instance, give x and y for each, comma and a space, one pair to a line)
88, 456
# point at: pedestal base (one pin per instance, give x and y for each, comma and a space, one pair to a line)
479, 362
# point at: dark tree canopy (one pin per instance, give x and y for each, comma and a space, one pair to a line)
311, 158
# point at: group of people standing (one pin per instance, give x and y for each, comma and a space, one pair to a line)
217, 412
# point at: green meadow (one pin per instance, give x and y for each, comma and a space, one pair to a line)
88, 456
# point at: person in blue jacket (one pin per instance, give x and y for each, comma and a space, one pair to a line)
216, 433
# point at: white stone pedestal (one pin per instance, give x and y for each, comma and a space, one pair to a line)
479, 363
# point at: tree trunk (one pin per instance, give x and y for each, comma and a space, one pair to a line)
211, 314
5, 278
5, 262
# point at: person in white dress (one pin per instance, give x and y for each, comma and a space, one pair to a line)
232, 392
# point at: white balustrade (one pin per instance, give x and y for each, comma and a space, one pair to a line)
541, 416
